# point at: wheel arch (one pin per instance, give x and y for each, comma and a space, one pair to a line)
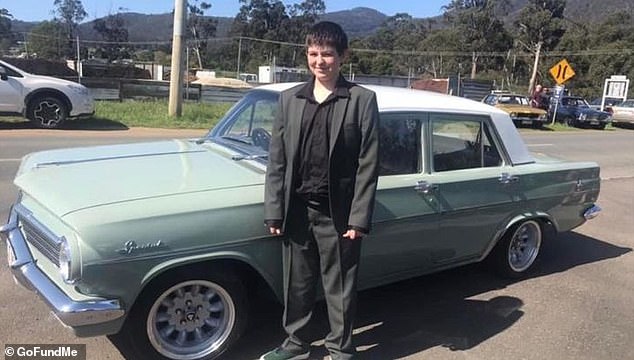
546, 221
254, 279
43, 92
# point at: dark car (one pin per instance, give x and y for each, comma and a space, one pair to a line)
575, 111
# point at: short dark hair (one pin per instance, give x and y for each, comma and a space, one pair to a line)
327, 33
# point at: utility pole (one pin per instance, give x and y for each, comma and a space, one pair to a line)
176, 77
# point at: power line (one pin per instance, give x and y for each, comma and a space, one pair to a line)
561, 53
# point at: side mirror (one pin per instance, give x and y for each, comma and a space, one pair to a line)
3, 73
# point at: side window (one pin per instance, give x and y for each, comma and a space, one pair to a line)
254, 122
10, 72
400, 143
462, 142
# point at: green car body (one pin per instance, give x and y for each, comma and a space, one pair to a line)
101, 232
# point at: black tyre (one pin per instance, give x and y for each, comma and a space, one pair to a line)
187, 317
570, 121
600, 127
47, 112
516, 252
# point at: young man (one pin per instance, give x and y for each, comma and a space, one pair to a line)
319, 192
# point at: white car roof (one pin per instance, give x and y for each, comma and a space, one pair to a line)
403, 99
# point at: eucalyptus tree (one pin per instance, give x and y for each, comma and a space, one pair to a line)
480, 27
6, 37
540, 26
114, 32
69, 13
200, 27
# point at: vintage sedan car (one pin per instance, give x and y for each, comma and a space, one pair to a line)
164, 242
623, 113
518, 107
575, 111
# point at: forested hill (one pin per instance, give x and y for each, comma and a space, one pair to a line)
357, 22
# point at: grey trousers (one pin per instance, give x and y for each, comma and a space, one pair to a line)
315, 248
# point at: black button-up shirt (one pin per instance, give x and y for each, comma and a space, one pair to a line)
312, 182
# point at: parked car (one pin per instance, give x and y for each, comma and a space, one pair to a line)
623, 113
164, 242
575, 111
607, 104
518, 107
44, 100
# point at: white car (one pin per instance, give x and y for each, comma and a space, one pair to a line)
45, 100
623, 113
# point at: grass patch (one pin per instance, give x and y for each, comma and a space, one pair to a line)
154, 114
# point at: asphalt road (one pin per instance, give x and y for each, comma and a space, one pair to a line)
578, 305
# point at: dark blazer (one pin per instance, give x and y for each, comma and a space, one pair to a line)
353, 162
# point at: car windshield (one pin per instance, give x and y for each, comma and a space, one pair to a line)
247, 126
577, 102
513, 100
626, 103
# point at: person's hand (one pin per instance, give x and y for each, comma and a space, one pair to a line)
353, 234
275, 231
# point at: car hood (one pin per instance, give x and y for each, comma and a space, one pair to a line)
48, 80
69, 180
521, 109
589, 111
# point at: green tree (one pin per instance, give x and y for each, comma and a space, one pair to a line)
540, 27
70, 13
481, 29
398, 33
114, 33
48, 40
6, 36
200, 27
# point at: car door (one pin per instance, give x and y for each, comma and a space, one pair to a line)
10, 92
475, 190
405, 221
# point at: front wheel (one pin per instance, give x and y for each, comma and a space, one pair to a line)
47, 112
516, 252
570, 121
188, 318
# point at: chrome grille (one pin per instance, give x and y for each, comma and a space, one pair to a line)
41, 239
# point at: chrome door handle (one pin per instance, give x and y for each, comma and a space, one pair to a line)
506, 178
424, 187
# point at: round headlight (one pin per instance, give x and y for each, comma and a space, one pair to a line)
65, 259
513, 114
582, 116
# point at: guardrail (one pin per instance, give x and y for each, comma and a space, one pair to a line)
120, 89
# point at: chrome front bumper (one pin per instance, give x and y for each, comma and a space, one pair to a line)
26, 273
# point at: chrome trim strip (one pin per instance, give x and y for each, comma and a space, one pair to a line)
70, 312
592, 212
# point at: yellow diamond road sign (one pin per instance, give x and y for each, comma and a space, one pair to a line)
562, 72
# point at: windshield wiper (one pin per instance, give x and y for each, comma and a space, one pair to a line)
249, 157
238, 139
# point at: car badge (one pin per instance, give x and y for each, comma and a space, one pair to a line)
131, 247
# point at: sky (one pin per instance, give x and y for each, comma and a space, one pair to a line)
37, 10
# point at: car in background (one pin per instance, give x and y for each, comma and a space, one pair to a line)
46, 101
575, 111
607, 105
163, 242
623, 113
518, 107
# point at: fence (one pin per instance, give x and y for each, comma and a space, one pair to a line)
120, 89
